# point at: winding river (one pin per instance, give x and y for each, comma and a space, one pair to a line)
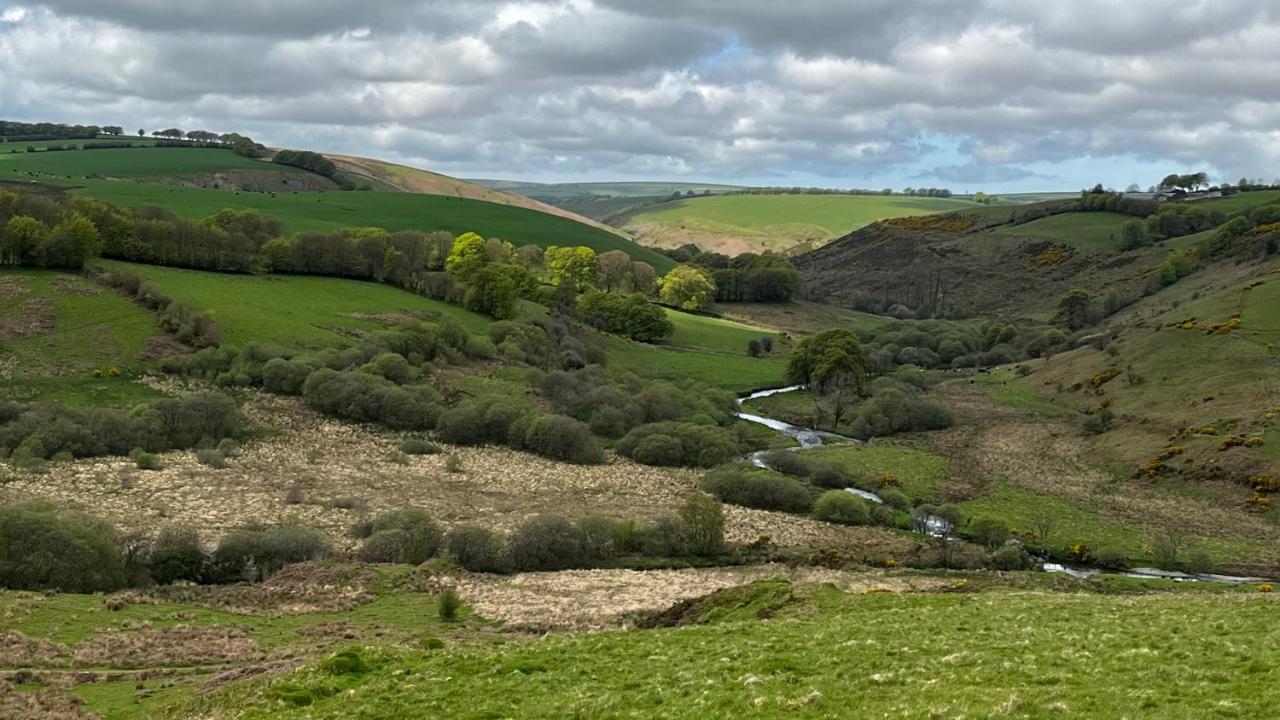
809, 438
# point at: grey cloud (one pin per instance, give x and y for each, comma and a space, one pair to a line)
730, 89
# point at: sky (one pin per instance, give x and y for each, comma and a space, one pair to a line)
993, 95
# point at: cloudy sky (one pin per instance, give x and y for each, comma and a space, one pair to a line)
1000, 95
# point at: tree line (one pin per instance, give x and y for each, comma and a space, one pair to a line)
490, 276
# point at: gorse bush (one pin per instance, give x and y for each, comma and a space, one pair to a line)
45, 549
409, 536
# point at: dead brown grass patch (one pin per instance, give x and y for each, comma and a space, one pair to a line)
327, 459
32, 317
19, 650
178, 645
41, 705
594, 599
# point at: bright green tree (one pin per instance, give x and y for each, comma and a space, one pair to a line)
687, 286
573, 265
466, 257
21, 236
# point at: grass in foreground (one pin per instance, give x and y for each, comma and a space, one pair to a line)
824, 654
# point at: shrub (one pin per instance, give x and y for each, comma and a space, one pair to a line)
839, 506
285, 377
991, 532
787, 463
1011, 556
363, 397
177, 555
895, 499
418, 446
453, 463
448, 604
253, 553
211, 458
763, 489
409, 535
699, 445
703, 521
1099, 422
665, 538
610, 422
1111, 558
147, 461
344, 662
828, 474
546, 542
480, 422
477, 549
41, 548
560, 437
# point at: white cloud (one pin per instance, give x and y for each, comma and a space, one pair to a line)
740, 90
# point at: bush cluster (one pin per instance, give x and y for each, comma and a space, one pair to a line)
42, 431
679, 444
547, 542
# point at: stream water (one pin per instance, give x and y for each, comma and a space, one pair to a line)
809, 438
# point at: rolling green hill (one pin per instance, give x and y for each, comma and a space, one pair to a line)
185, 181
734, 224
321, 211
549, 192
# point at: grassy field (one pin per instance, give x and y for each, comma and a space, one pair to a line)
291, 309
825, 654
199, 640
1096, 231
132, 163
918, 472
309, 311
738, 372
549, 192
57, 329
800, 318
737, 223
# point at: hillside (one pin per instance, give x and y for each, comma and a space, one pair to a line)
196, 182
556, 192
390, 176
983, 262
734, 224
